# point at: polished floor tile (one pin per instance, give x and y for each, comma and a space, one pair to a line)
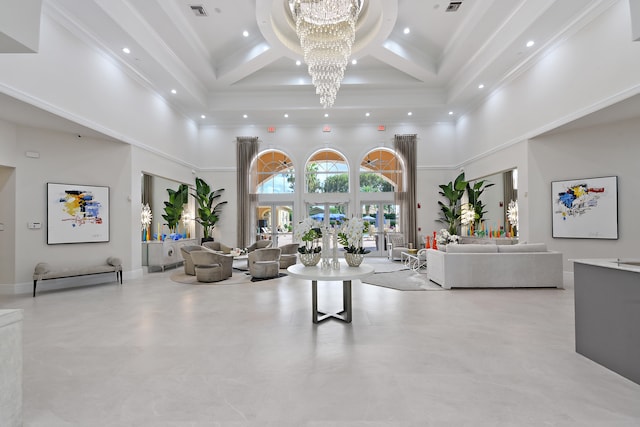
158, 353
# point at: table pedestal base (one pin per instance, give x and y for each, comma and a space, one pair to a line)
344, 315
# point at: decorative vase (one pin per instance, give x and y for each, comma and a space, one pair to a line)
353, 260
309, 260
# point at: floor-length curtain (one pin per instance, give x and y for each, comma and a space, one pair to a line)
405, 197
246, 152
509, 194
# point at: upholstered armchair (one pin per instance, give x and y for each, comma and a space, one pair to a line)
396, 244
264, 263
260, 244
189, 268
226, 261
288, 254
217, 246
206, 268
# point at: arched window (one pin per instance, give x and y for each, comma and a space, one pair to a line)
274, 173
327, 171
380, 172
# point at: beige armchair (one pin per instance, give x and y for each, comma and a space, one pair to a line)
206, 268
264, 263
217, 246
288, 254
260, 244
189, 268
396, 244
226, 261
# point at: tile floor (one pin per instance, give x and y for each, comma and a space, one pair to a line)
157, 353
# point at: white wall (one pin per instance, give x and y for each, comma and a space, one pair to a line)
66, 159
596, 67
7, 225
77, 82
605, 150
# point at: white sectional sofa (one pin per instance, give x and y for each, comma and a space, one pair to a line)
495, 266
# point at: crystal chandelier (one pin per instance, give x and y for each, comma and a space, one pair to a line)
326, 29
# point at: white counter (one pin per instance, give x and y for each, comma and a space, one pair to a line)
11, 368
614, 263
607, 313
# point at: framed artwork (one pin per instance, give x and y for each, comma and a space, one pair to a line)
585, 208
77, 213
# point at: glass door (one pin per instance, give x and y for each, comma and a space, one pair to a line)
382, 218
275, 222
328, 214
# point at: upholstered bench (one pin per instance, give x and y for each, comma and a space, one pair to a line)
44, 271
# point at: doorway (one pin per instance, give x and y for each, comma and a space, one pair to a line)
382, 217
275, 222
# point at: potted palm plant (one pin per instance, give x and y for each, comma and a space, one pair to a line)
208, 210
174, 207
450, 212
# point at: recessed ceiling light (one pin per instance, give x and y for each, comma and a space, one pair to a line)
480, 86
326, 114
407, 30
245, 116
286, 115
409, 113
367, 114
173, 91
354, 61
245, 33
530, 43
126, 50
202, 116
298, 62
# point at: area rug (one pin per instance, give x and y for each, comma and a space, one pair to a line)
236, 278
255, 279
403, 280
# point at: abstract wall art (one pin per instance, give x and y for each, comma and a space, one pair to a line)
585, 208
77, 213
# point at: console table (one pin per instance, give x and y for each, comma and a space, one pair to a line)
345, 274
161, 254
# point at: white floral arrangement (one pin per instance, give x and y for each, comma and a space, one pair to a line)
308, 232
467, 214
443, 237
512, 213
145, 216
350, 235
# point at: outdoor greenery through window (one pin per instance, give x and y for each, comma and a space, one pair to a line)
274, 173
327, 172
380, 172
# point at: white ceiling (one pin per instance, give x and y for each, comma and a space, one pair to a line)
434, 69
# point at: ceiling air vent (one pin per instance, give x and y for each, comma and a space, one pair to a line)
454, 6
198, 10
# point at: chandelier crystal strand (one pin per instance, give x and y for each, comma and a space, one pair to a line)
327, 30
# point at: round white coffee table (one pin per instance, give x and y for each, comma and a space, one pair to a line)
345, 274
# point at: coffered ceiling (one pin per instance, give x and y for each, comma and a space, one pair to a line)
434, 69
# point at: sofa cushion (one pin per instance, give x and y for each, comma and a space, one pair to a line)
114, 261
42, 268
396, 239
527, 247
471, 248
